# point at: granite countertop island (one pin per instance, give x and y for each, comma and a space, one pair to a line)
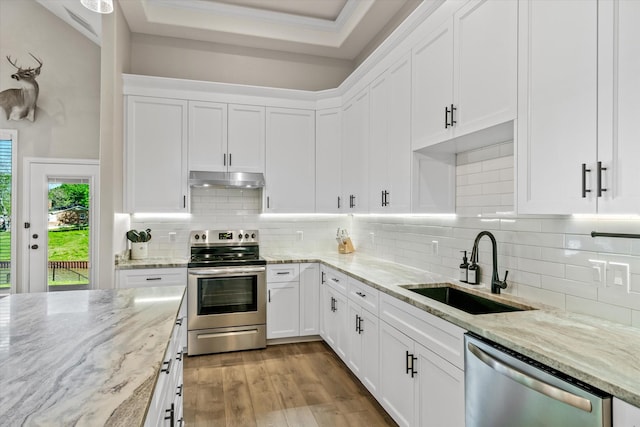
83, 358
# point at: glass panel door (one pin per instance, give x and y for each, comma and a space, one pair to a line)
68, 234
7, 168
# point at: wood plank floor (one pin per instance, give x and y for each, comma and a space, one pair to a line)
301, 385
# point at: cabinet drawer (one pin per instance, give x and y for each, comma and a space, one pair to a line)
443, 338
283, 273
140, 278
364, 295
335, 279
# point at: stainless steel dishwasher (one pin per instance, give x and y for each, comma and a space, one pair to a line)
505, 388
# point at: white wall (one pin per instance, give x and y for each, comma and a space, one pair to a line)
67, 123
194, 60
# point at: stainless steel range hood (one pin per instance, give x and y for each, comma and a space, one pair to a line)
226, 179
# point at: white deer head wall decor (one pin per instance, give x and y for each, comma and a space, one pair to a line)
21, 103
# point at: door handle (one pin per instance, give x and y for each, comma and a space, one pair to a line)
529, 381
34, 246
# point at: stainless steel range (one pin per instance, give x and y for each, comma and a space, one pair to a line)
226, 292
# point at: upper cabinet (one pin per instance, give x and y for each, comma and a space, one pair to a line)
390, 140
290, 169
226, 137
329, 161
557, 111
465, 73
355, 144
156, 155
618, 106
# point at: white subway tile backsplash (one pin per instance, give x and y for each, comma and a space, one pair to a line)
595, 308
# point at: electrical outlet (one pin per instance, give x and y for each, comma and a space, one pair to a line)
618, 275
300, 235
172, 236
372, 238
435, 249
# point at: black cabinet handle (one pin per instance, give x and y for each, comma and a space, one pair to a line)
166, 368
179, 356
338, 202
280, 273
153, 278
599, 179
267, 202
410, 365
179, 390
269, 295
322, 277
453, 121
382, 202
184, 201
224, 159
360, 294
407, 362
357, 323
169, 414
584, 180
179, 321
360, 330
446, 117
229, 159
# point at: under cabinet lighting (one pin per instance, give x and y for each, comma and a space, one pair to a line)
152, 215
634, 217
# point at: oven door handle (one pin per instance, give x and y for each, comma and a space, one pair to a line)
233, 270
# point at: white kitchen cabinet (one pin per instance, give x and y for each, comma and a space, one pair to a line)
329, 161
309, 299
156, 155
618, 107
146, 277
464, 74
355, 143
245, 138
364, 336
421, 366
207, 136
166, 406
283, 300
390, 140
396, 381
557, 106
290, 163
283, 309
333, 307
624, 414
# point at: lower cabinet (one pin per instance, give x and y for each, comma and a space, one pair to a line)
146, 277
293, 292
333, 307
624, 414
166, 409
363, 346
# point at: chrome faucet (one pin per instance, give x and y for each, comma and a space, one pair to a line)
496, 283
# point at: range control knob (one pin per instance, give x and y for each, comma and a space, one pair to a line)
196, 237
204, 237
240, 236
246, 236
253, 235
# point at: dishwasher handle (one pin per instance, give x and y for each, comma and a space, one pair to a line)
530, 382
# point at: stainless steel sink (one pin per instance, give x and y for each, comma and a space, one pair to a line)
465, 301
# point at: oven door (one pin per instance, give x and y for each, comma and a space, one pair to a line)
220, 297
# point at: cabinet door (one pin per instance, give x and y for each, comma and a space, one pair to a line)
399, 138
329, 161
246, 130
309, 297
207, 136
156, 155
618, 106
624, 414
432, 81
379, 117
283, 309
341, 325
485, 64
557, 106
396, 385
439, 395
355, 125
354, 337
370, 363
291, 166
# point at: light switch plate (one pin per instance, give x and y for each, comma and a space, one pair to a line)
435, 247
599, 271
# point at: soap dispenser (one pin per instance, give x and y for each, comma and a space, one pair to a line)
464, 268
474, 273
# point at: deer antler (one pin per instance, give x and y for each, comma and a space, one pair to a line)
39, 62
12, 62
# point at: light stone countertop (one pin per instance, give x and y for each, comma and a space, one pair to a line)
134, 264
598, 352
83, 358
